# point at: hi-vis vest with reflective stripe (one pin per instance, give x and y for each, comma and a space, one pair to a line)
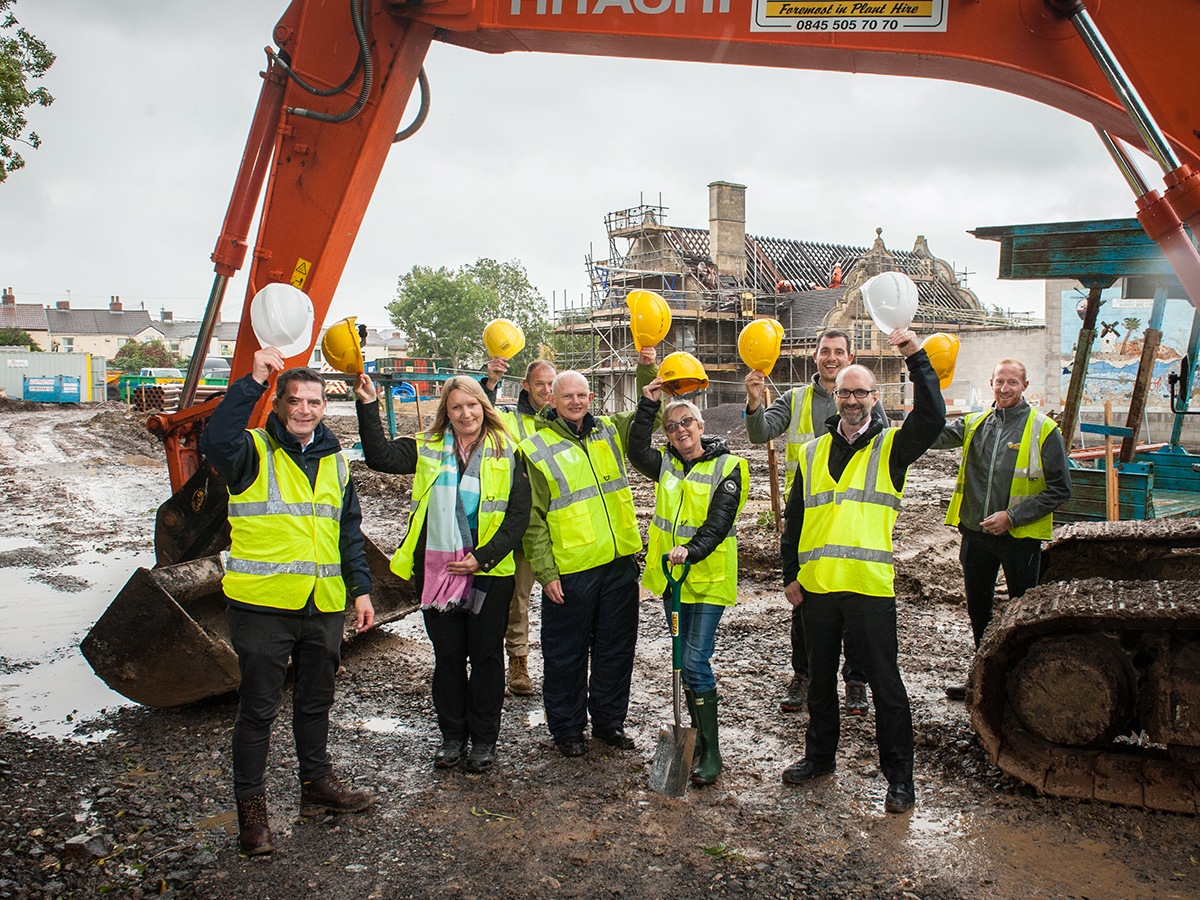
846, 541
1028, 479
519, 425
590, 516
681, 504
495, 484
284, 533
800, 432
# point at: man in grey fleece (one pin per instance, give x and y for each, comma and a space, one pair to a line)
803, 413
1012, 477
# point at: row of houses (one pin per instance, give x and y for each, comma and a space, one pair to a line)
102, 332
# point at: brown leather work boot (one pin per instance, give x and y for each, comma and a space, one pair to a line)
254, 829
519, 682
327, 794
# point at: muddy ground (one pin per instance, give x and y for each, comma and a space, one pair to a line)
138, 802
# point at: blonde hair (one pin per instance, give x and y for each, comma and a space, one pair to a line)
493, 425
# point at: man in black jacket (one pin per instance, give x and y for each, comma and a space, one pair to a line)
296, 552
837, 561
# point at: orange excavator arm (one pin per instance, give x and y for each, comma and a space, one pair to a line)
321, 156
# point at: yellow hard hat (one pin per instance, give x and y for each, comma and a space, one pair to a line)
682, 373
759, 343
503, 337
341, 348
943, 353
649, 318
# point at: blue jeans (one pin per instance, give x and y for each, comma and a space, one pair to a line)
698, 636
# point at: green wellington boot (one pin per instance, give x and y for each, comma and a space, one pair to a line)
710, 756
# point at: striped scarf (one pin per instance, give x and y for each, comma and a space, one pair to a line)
453, 511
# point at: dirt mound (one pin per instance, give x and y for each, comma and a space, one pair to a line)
125, 433
9, 405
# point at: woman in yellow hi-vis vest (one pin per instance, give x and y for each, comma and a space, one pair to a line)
470, 508
701, 489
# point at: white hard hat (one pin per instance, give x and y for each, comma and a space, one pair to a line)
891, 300
282, 317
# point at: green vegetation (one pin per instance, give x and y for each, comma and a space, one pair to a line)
22, 58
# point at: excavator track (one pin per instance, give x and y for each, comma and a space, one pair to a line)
1089, 687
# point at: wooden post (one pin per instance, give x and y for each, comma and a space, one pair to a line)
1083, 353
773, 473
420, 421
1141, 386
1112, 499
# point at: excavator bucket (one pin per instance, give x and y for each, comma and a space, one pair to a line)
164, 641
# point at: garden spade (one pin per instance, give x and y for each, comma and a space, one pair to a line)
676, 745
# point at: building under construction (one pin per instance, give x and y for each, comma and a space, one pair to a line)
717, 280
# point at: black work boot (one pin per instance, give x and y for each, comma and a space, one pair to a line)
254, 828
327, 794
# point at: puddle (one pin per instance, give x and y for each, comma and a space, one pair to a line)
380, 725
535, 717
46, 686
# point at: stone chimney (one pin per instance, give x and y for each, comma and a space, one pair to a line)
63, 304
10, 299
167, 315
727, 227
114, 304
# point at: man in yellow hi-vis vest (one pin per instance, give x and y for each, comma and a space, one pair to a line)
801, 414
837, 561
1012, 477
296, 553
520, 420
582, 543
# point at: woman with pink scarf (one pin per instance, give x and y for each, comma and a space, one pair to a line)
470, 508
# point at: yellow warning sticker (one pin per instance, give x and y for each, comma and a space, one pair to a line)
300, 273
849, 15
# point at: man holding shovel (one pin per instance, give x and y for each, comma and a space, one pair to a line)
837, 561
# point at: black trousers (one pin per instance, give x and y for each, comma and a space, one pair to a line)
598, 619
871, 624
982, 554
264, 642
469, 705
852, 669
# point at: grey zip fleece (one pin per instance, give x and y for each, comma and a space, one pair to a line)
990, 463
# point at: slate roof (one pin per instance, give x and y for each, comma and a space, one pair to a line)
26, 316
807, 266
129, 322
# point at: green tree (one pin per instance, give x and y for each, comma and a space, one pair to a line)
444, 312
22, 57
16, 337
135, 355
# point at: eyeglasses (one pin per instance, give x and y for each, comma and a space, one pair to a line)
857, 394
682, 423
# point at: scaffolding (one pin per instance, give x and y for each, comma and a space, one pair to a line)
783, 279
708, 309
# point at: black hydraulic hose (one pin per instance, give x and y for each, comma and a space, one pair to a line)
416, 123
365, 57
281, 58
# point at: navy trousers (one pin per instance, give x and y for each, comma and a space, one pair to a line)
597, 622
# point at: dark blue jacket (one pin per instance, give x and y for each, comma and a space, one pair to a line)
231, 450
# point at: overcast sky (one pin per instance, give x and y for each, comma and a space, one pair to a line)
521, 158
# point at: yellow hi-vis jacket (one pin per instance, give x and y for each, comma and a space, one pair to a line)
590, 515
495, 484
1028, 477
681, 504
846, 541
800, 432
284, 533
519, 425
